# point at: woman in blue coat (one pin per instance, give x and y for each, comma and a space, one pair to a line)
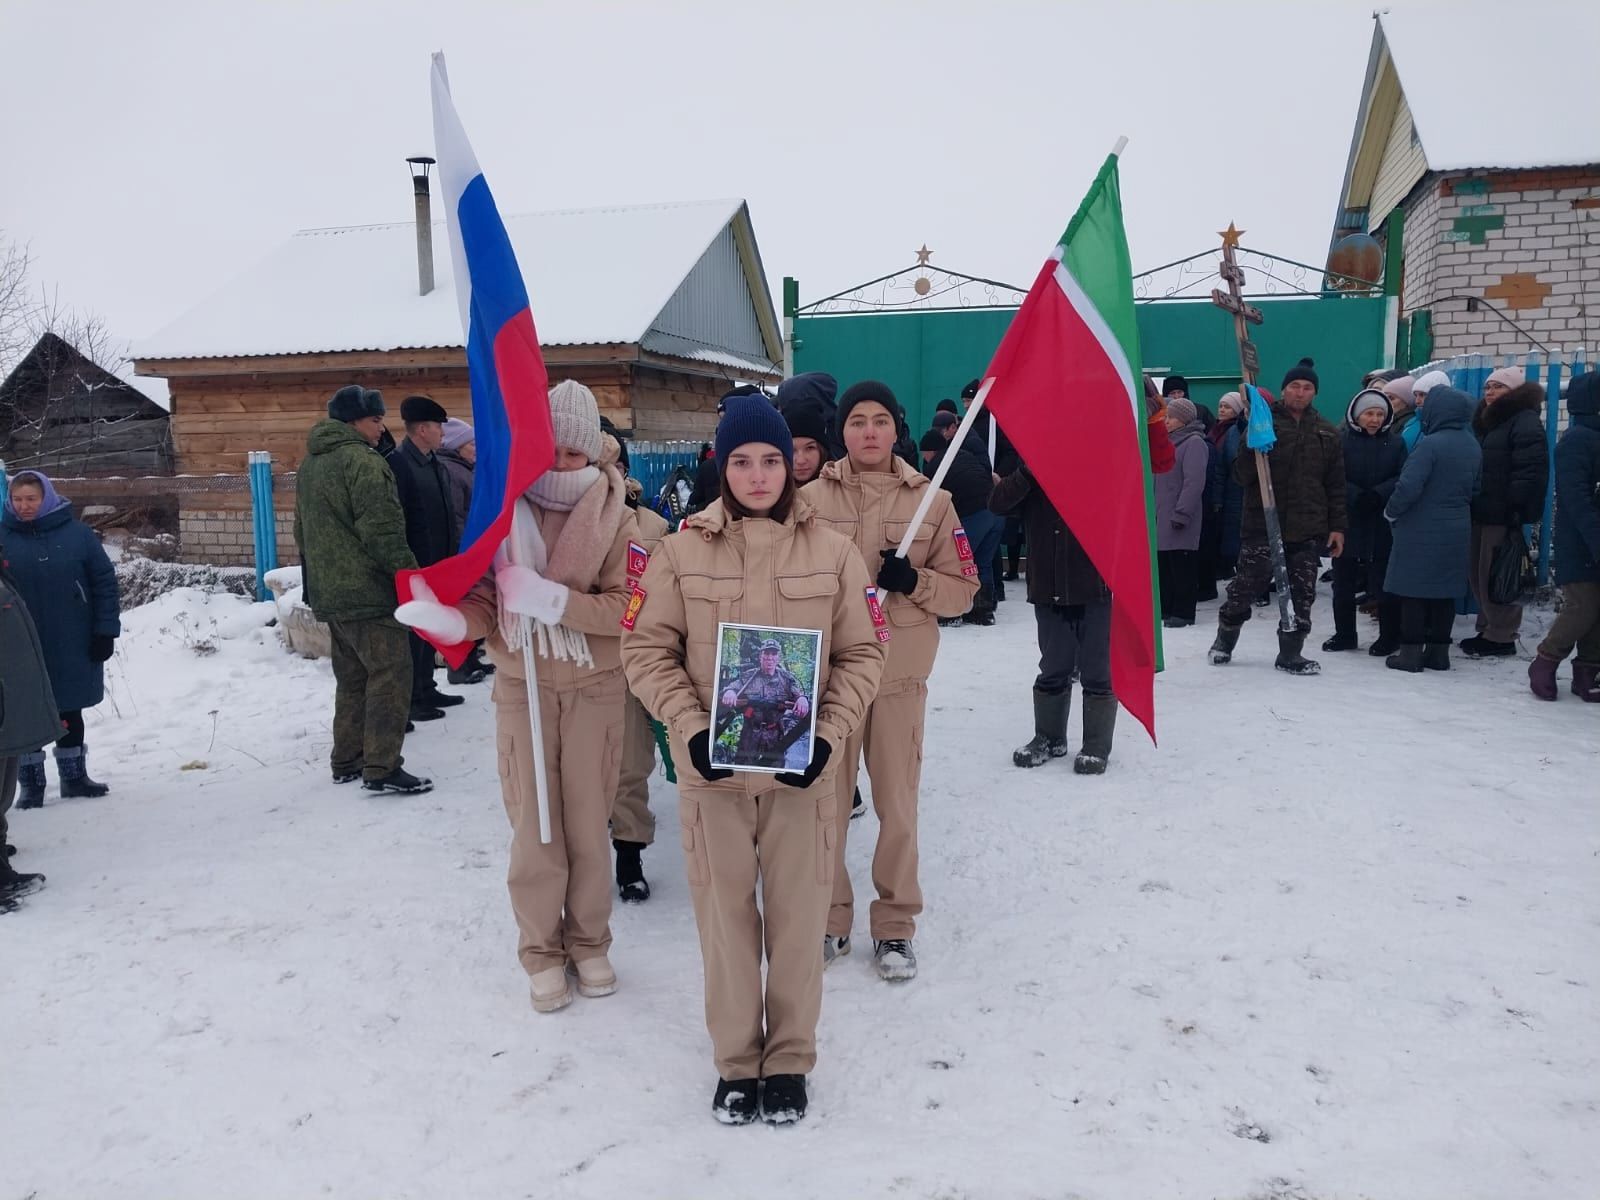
1430, 515
64, 577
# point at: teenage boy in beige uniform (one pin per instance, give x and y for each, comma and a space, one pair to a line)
870, 496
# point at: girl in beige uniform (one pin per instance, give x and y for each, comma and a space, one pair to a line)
566, 566
757, 557
871, 497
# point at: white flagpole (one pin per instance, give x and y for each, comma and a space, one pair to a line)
932, 490
536, 723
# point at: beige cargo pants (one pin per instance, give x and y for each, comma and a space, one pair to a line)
783, 841
891, 738
560, 893
631, 818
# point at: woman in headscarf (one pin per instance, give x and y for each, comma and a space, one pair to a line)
64, 577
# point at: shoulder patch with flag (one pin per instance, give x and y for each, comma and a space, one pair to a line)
638, 560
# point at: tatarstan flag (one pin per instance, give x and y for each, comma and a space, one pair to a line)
1066, 387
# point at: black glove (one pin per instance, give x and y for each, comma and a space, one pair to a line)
101, 647
820, 752
700, 756
897, 574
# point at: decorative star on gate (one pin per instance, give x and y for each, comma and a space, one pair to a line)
1231, 235
924, 255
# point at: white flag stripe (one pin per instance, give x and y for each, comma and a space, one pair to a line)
458, 166
1090, 315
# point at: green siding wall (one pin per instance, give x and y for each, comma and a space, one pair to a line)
926, 356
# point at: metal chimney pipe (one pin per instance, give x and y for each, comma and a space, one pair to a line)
424, 204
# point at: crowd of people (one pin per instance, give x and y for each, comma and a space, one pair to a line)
799, 512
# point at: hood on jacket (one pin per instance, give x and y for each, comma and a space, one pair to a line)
813, 389
1447, 408
1194, 428
841, 470
1388, 410
1583, 394
53, 500
1525, 397
713, 518
328, 436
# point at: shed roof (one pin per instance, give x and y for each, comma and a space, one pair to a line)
1466, 117
596, 276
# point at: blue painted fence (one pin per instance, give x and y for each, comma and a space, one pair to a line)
263, 519
651, 463
1553, 370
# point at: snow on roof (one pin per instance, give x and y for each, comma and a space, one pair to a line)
1517, 116
594, 276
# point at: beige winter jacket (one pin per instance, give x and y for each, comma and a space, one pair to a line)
596, 613
794, 575
873, 509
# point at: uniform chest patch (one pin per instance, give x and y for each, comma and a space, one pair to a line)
969, 568
638, 560
875, 611
630, 615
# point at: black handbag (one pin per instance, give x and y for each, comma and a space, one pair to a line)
1506, 569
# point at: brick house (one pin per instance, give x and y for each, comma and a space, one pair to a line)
656, 307
1485, 195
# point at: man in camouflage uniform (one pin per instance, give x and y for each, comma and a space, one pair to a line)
352, 537
1307, 465
764, 696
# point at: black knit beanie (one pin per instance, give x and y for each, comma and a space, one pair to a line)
948, 406
869, 389
354, 402
1174, 383
1301, 370
807, 421
751, 418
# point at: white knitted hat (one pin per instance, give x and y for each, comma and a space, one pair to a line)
576, 418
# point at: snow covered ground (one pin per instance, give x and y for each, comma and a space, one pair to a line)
1335, 939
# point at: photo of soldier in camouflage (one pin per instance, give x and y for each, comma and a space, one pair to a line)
766, 699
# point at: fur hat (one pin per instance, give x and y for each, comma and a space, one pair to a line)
1182, 410
422, 408
1174, 383
576, 418
751, 418
1508, 377
1304, 369
1231, 402
869, 389
354, 403
457, 433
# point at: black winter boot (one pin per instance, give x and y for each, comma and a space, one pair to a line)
1049, 729
982, 612
737, 1101
1407, 658
1099, 722
73, 763
1222, 648
30, 775
1436, 656
14, 885
783, 1099
399, 780
1289, 657
631, 883
1340, 641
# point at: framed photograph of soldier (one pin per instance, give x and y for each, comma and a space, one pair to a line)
766, 703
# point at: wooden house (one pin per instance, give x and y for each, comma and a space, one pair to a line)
657, 308
65, 415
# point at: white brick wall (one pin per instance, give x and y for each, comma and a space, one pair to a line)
1543, 235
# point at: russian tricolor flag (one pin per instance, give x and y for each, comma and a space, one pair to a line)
510, 390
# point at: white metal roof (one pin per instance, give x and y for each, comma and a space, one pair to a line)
594, 276
1510, 92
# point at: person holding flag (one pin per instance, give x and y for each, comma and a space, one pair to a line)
566, 565
873, 497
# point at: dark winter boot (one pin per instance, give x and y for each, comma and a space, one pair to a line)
14, 885
1099, 722
1222, 648
399, 780
73, 763
1407, 658
1340, 641
1542, 678
30, 776
1586, 681
1436, 656
1289, 657
631, 883
783, 1099
737, 1101
1388, 629
982, 612
1049, 729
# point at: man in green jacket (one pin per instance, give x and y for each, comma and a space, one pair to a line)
352, 537
1307, 466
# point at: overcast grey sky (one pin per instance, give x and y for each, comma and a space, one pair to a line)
151, 148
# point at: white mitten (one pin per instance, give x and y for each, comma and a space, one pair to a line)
526, 591
424, 613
